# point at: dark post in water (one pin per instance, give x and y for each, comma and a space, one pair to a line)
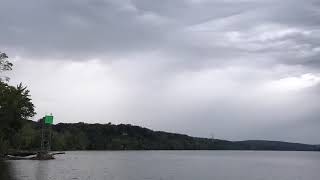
46, 129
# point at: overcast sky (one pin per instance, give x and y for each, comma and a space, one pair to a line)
241, 69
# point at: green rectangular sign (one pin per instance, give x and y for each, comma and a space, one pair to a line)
48, 119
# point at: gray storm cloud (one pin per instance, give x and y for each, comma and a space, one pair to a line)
244, 69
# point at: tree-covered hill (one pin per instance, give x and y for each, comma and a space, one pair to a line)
276, 145
82, 136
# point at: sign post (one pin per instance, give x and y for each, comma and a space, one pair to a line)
48, 119
46, 126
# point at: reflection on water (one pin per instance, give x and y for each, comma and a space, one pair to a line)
41, 170
5, 171
170, 165
31, 170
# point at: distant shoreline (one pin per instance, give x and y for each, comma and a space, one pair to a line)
82, 136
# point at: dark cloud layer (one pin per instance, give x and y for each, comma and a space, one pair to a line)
244, 69
74, 29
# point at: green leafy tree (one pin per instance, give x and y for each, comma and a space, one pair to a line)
15, 105
5, 65
26, 138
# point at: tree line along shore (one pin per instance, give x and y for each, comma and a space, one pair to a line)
83, 136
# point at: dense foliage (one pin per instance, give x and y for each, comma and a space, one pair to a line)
15, 107
82, 136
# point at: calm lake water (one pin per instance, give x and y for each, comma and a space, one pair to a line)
172, 165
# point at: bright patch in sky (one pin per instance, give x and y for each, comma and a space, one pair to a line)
295, 83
